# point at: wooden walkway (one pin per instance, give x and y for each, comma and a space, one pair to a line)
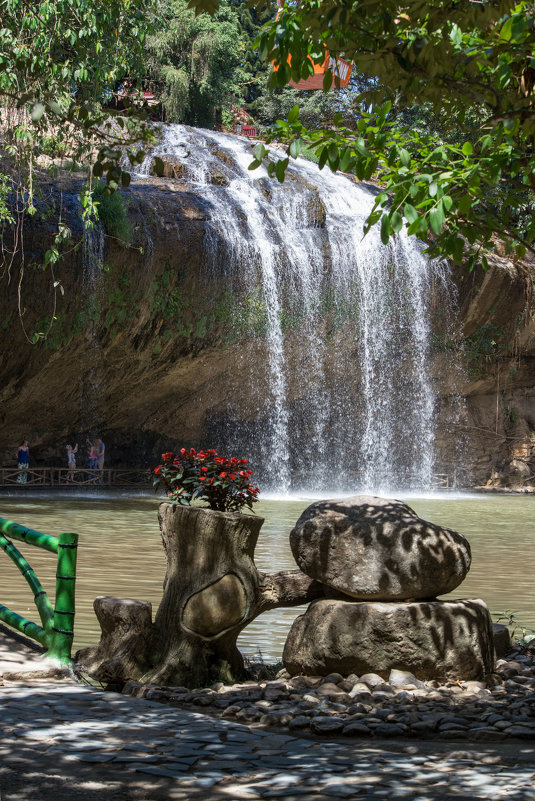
115, 477
63, 477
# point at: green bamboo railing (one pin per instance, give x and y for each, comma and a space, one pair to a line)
56, 631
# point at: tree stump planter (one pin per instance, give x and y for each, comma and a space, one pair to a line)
212, 591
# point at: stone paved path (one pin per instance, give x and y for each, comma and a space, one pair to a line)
62, 741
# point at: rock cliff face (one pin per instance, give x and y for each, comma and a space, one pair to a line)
144, 351
497, 318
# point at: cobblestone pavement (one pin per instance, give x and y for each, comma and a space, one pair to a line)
64, 741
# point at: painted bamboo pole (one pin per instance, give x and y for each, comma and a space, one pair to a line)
27, 627
63, 629
23, 534
42, 602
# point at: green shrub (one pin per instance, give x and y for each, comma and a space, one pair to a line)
112, 212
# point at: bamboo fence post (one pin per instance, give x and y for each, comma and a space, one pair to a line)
63, 629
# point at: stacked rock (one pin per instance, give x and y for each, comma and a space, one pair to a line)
383, 568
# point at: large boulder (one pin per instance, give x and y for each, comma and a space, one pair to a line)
378, 549
433, 640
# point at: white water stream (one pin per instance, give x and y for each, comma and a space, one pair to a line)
346, 323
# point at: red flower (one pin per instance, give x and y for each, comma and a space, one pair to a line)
158, 470
202, 478
232, 476
167, 457
222, 475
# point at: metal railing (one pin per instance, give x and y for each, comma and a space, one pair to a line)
65, 477
56, 631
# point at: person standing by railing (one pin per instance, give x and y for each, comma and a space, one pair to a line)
71, 460
92, 460
100, 450
23, 461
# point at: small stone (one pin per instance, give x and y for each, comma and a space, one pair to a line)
299, 722
400, 678
326, 725
354, 728
390, 730
487, 735
328, 688
360, 689
371, 680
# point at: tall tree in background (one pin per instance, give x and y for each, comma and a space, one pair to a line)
200, 63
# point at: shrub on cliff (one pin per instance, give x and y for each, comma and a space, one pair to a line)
112, 213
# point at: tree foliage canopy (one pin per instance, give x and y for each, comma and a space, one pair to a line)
59, 62
466, 61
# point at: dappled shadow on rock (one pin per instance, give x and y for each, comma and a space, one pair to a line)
431, 639
377, 549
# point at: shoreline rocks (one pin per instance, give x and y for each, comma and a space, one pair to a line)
371, 707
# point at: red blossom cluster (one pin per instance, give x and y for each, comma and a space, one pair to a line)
205, 475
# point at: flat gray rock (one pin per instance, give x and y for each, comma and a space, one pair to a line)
432, 640
377, 549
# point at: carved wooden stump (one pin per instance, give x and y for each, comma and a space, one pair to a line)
125, 645
213, 590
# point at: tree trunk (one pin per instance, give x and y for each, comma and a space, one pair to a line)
212, 591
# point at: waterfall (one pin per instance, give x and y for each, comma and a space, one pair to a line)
340, 322
90, 374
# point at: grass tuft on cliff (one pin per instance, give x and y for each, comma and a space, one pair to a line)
112, 213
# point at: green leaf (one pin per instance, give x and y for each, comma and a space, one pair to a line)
467, 149
385, 229
296, 147
396, 222
280, 169
457, 250
464, 204
405, 157
293, 116
410, 212
437, 218
259, 151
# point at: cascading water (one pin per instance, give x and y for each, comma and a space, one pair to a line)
90, 383
340, 322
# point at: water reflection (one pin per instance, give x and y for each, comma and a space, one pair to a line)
121, 554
